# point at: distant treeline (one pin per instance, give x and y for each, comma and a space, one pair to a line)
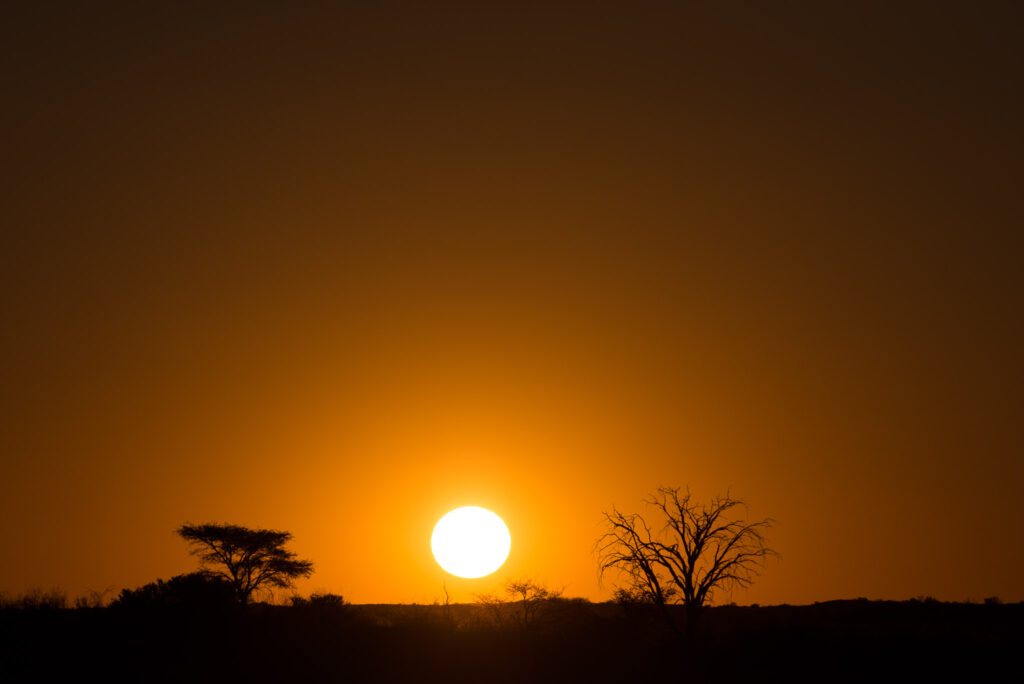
184, 630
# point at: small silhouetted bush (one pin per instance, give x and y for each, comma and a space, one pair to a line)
326, 601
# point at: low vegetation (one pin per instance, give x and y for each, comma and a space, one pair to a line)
189, 628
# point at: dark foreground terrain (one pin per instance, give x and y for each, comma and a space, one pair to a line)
562, 640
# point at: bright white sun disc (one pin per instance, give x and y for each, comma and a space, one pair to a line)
470, 542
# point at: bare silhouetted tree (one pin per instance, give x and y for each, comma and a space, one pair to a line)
685, 555
248, 559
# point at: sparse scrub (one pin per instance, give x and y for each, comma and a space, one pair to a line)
36, 599
525, 603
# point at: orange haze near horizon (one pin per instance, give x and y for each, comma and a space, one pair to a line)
339, 272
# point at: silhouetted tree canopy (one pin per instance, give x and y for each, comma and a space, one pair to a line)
684, 554
247, 559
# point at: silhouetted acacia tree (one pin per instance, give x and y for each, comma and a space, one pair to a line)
685, 555
526, 597
530, 597
248, 559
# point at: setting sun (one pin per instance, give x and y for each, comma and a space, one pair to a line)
470, 542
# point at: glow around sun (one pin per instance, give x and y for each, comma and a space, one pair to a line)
470, 542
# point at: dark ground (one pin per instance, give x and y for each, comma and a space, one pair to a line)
563, 640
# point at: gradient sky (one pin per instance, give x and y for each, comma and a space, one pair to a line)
340, 271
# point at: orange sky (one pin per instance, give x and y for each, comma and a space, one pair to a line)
339, 272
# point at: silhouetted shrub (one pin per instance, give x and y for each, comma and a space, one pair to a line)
194, 590
325, 611
326, 601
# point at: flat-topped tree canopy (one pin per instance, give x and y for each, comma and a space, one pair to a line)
249, 559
